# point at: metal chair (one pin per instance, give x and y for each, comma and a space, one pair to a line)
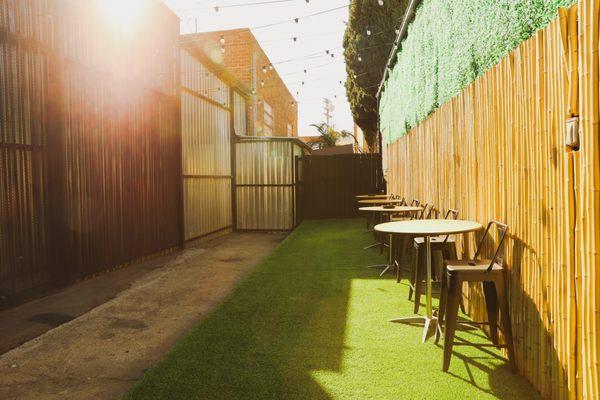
492, 274
446, 244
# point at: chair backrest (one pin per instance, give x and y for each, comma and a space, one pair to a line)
403, 201
425, 211
433, 213
502, 230
450, 214
414, 203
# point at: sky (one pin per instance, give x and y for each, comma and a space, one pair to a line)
315, 35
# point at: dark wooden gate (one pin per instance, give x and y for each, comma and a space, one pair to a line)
329, 183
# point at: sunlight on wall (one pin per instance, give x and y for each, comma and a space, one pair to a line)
123, 15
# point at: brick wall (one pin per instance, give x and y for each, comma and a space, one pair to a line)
244, 58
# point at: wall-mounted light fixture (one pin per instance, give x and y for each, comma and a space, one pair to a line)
572, 133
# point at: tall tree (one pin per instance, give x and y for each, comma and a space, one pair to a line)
369, 37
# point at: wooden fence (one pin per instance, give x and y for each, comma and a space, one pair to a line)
90, 148
497, 151
329, 183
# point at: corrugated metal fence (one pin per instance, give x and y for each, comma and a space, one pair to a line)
206, 113
89, 142
115, 146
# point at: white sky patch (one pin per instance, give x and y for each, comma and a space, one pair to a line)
314, 35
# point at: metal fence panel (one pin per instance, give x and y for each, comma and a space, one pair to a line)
266, 183
89, 143
265, 208
264, 162
206, 149
239, 109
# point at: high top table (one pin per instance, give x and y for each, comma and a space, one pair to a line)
426, 228
371, 196
378, 202
380, 210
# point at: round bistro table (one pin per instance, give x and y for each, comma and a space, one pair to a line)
378, 202
426, 228
380, 210
371, 196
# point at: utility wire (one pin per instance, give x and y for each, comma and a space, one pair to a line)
217, 8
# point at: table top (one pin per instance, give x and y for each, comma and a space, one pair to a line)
372, 196
379, 201
429, 227
393, 210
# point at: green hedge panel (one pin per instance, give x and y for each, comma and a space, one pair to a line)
449, 44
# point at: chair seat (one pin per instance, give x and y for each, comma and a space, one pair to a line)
471, 266
435, 240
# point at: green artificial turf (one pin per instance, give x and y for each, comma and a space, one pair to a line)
311, 322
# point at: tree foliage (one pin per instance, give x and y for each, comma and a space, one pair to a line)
366, 56
329, 136
449, 44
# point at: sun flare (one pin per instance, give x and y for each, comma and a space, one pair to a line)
123, 14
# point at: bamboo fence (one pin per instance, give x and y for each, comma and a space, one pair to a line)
497, 151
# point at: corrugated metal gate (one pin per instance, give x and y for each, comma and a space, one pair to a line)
266, 182
89, 142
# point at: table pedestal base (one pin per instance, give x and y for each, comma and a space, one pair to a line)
375, 245
386, 267
427, 322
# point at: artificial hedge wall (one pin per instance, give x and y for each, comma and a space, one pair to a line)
449, 44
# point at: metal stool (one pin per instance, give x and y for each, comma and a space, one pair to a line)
491, 273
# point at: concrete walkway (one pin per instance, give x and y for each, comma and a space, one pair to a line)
105, 332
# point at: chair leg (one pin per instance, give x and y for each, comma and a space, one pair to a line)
419, 277
413, 273
443, 301
505, 317
454, 284
491, 305
453, 255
